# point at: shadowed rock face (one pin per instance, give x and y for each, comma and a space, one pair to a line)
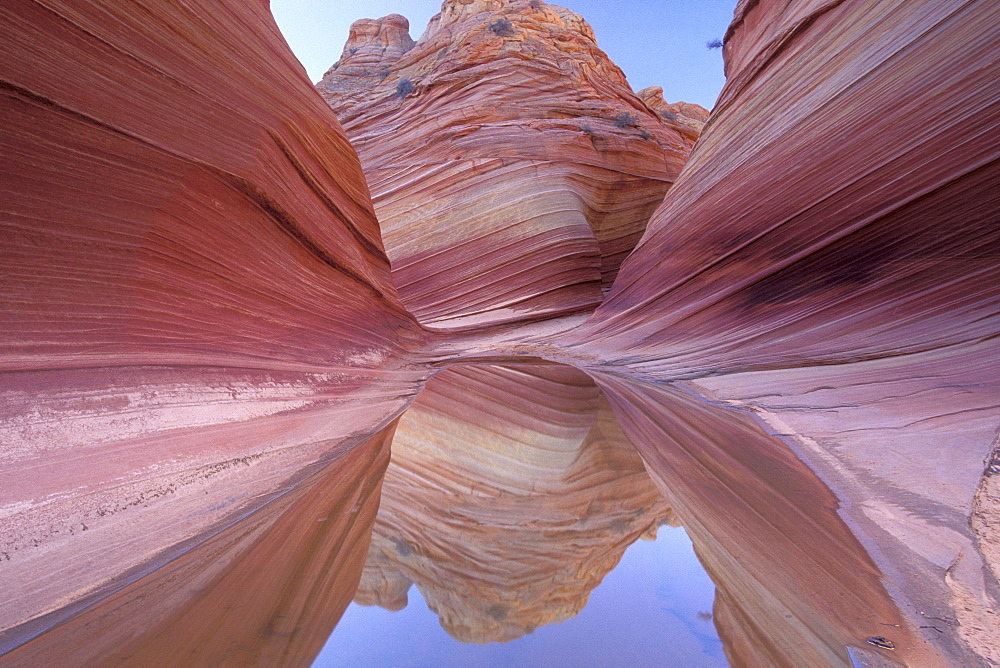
511, 166
197, 311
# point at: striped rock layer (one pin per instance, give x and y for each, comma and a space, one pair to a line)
203, 349
511, 166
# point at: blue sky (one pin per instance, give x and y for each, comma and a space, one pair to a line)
653, 609
656, 42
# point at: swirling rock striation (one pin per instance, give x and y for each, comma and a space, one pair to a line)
197, 309
196, 304
837, 275
511, 166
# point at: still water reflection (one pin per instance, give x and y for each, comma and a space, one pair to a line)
510, 495
653, 609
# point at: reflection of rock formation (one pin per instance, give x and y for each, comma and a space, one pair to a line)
794, 586
511, 166
829, 260
196, 306
510, 495
266, 590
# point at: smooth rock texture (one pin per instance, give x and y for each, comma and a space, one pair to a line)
198, 313
511, 166
195, 302
837, 275
210, 604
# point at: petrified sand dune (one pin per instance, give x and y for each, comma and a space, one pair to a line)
195, 300
839, 277
511, 166
197, 311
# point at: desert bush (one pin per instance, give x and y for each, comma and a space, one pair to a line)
502, 27
626, 120
714, 44
535, 4
404, 87
669, 116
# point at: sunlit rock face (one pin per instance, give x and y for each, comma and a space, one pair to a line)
195, 302
511, 494
511, 166
685, 116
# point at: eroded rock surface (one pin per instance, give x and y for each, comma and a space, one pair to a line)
511, 166
197, 308
195, 302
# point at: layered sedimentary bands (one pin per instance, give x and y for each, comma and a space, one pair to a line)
511, 166
204, 350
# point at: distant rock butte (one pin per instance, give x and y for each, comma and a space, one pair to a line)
203, 348
511, 166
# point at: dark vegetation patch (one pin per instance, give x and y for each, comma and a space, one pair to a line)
626, 120
404, 87
502, 27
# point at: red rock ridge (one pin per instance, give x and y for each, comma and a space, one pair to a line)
837, 274
197, 310
512, 168
196, 304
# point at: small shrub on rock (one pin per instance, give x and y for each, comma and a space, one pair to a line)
714, 44
404, 87
626, 121
535, 4
502, 27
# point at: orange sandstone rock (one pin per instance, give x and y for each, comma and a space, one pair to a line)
511, 166
682, 115
197, 307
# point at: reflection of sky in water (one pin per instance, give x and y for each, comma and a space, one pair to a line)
651, 610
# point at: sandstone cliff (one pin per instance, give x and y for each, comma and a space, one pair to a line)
195, 301
511, 166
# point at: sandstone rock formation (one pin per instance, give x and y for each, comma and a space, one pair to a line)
682, 115
266, 590
195, 302
197, 311
838, 278
511, 166
510, 495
